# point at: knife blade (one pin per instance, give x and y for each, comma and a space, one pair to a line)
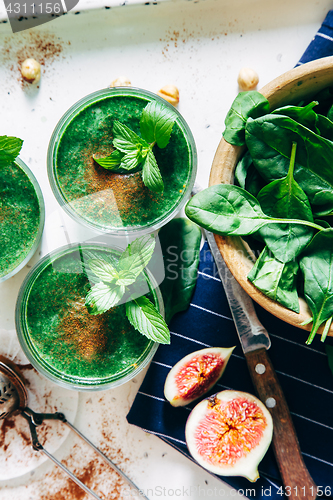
255, 342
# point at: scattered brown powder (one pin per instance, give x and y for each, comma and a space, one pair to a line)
40, 45
109, 195
5, 425
85, 331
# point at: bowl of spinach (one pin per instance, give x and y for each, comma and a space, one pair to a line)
270, 199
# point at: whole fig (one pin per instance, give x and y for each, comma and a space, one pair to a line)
229, 434
195, 374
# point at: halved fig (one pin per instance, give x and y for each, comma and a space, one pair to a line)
195, 374
229, 434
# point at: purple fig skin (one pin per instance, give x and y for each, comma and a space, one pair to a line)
195, 374
229, 433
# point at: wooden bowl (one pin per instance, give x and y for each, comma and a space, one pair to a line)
289, 88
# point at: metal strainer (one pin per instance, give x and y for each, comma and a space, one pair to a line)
13, 400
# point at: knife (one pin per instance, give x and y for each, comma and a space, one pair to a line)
255, 342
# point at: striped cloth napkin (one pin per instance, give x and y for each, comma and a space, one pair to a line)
302, 370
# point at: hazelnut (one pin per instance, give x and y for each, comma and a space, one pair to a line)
247, 79
170, 93
121, 81
31, 70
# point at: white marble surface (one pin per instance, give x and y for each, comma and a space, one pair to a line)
199, 46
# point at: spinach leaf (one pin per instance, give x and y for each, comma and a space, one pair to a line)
285, 199
228, 209
330, 113
305, 115
276, 279
317, 268
248, 176
180, 244
242, 169
325, 127
269, 139
246, 104
301, 114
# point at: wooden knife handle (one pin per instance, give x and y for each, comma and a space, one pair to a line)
296, 479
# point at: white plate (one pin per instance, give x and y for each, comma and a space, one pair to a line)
17, 457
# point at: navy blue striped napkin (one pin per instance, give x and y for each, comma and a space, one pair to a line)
302, 370
322, 43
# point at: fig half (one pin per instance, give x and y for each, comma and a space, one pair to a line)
229, 434
195, 374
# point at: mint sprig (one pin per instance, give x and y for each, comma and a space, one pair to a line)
116, 278
142, 315
133, 152
10, 148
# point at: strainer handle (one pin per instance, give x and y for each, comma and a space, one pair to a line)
106, 459
35, 419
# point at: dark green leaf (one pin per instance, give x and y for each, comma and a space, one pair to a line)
242, 169
317, 268
102, 297
330, 114
325, 127
276, 279
156, 123
180, 244
147, 320
151, 174
112, 161
248, 176
137, 255
269, 140
301, 114
226, 209
10, 148
247, 104
284, 198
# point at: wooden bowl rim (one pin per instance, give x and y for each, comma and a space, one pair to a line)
295, 83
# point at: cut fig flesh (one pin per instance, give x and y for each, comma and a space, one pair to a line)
229, 434
195, 374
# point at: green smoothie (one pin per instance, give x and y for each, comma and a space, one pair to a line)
62, 339
101, 198
21, 214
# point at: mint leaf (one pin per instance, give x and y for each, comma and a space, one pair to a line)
137, 255
103, 270
112, 161
102, 297
131, 160
10, 147
156, 123
126, 278
151, 174
126, 140
142, 314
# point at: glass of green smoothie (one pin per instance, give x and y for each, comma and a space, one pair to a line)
21, 217
66, 343
118, 202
